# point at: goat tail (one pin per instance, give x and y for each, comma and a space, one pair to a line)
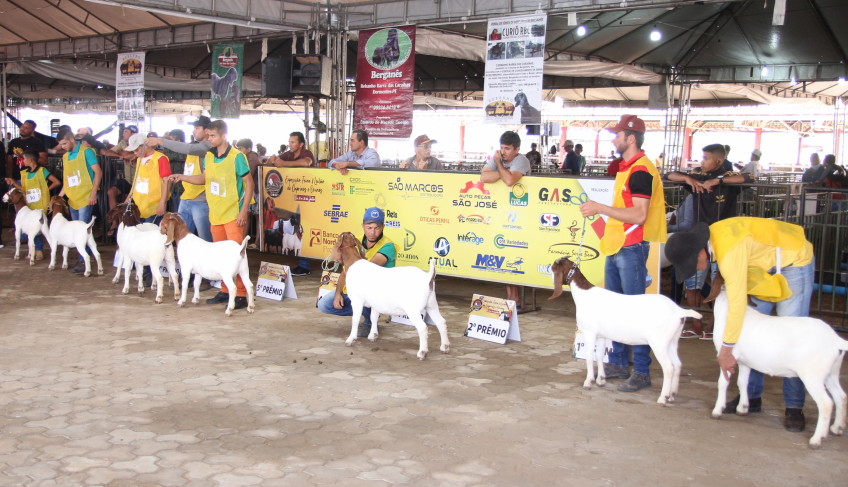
432, 274
91, 223
842, 344
691, 313
244, 245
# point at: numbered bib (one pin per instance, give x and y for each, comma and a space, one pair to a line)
218, 188
74, 180
141, 186
188, 170
33, 195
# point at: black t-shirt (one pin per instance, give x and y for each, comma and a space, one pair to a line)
641, 184
17, 147
718, 204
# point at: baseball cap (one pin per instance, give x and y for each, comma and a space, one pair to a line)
131, 128
202, 121
682, 249
135, 141
757, 153
568, 143
374, 215
423, 139
629, 122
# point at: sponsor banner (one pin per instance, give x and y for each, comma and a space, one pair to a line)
488, 232
385, 70
492, 319
275, 282
329, 281
515, 48
581, 349
129, 87
227, 65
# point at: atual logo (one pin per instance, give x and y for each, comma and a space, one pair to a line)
518, 195
408, 239
501, 242
469, 237
442, 246
498, 263
335, 213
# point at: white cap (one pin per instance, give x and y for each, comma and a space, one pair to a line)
135, 141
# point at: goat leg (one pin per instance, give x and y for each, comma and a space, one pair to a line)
244, 274
160, 283
65, 251
420, 326
52, 265
590, 340
818, 392
354, 322
439, 320
17, 244
31, 246
373, 333
93, 246
742, 384
184, 288
721, 399
230, 284
839, 398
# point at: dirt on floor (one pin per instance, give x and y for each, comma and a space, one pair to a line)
100, 388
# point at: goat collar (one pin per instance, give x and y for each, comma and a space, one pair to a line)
570, 275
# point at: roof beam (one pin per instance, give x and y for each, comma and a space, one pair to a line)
828, 32
39, 19
89, 12
590, 34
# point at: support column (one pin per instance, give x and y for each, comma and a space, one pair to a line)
758, 138
798, 155
597, 142
686, 155
461, 142
563, 135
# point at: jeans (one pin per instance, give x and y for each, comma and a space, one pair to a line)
39, 241
624, 273
83, 214
800, 280
195, 214
303, 263
325, 305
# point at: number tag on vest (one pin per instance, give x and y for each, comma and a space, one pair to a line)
218, 188
141, 186
74, 180
33, 195
189, 169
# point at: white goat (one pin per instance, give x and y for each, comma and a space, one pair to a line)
291, 243
30, 222
397, 290
76, 234
124, 218
784, 346
647, 319
211, 260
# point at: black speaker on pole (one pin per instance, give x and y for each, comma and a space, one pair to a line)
310, 75
276, 77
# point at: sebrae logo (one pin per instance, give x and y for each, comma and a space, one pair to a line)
335, 213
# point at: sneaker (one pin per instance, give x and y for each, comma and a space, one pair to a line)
78, 268
636, 382
616, 371
794, 421
241, 302
219, 298
755, 405
364, 331
300, 271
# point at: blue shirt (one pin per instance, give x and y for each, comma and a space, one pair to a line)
369, 158
90, 159
572, 163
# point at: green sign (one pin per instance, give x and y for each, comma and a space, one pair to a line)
227, 66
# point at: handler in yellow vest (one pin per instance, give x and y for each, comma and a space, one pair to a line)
636, 217
81, 178
229, 188
34, 181
150, 183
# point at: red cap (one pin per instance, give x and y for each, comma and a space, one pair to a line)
629, 122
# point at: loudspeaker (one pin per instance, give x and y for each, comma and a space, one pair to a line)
310, 75
276, 77
533, 130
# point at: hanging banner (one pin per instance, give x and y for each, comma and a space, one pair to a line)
515, 48
480, 231
129, 87
227, 66
385, 70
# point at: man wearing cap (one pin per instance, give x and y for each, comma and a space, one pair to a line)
636, 217
571, 162
359, 156
150, 182
772, 262
297, 155
380, 250
712, 200
534, 156
193, 207
120, 149
753, 167
422, 158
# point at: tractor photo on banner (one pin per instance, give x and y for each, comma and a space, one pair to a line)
227, 65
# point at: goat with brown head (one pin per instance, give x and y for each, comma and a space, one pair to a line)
173, 227
126, 213
340, 252
565, 272
58, 205
27, 221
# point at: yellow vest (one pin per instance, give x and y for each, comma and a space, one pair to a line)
222, 187
35, 189
147, 185
746, 248
655, 225
76, 179
192, 168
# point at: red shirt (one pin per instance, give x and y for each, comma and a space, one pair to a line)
612, 169
638, 185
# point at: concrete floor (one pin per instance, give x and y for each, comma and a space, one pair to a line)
98, 388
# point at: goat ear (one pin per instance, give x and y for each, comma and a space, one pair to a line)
556, 269
169, 231
715, 288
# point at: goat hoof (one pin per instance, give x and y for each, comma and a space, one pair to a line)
65, 266
51, 267
195, 301
125, 291
601, 381
250, 310
349, 342
445, 348
836, 430
180, 303
158, 300
373, 337
663, 401
17, 257
716, 415
87, 274
815, 444
422, 354
229, 311
32, 262
115, 281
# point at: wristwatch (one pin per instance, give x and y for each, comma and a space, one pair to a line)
720, 179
